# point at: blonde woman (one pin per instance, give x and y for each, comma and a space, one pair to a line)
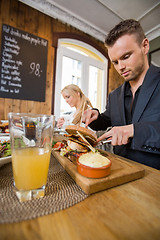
74, 96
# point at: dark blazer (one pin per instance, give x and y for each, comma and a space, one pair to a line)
144, 147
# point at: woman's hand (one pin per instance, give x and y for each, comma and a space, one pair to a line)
120, 135
60, 122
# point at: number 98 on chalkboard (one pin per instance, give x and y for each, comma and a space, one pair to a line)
23, 65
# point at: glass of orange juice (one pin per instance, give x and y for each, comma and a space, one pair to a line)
31, 143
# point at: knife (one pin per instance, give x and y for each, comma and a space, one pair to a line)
107, 140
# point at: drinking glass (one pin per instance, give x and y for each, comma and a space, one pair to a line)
31, 144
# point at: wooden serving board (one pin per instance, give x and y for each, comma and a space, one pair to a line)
122, 171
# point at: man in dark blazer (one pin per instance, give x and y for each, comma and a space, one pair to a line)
133, 109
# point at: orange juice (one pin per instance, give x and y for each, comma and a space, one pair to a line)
30, 167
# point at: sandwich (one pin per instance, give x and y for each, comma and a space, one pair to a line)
79, 140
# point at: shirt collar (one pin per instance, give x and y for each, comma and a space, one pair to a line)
128, 89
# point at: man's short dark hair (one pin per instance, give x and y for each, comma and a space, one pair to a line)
129, 26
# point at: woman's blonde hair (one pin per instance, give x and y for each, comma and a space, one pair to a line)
71, 89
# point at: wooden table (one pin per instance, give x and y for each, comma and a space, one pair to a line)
129, 211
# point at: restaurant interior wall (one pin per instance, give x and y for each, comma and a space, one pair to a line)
154, 52
23, 17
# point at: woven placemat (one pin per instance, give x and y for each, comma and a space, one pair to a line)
61, 192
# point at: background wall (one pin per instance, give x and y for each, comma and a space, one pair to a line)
21, 16
154, 44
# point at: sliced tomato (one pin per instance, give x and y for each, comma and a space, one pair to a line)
58, 145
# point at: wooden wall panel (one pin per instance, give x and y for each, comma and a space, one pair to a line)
115, 79
23, 17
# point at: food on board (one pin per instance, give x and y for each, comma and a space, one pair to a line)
89, 161
93, 165
95, 160
74, 145
90, 136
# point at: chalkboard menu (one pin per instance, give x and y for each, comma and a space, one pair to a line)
23, 65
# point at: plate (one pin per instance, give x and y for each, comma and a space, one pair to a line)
4, 134
59, 131
5, 160
4, 138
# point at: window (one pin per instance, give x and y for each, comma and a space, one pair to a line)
80, 64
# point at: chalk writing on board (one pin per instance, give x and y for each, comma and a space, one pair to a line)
35, 68
23, 65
